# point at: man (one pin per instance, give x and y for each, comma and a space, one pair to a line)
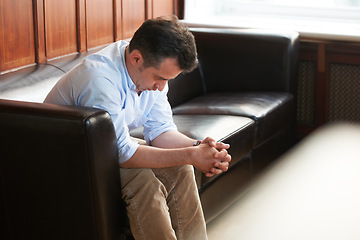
130, 82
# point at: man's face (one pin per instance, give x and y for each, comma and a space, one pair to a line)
151, 78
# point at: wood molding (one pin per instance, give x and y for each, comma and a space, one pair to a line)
81, 25
149, 6
39, 29
118, 27
179, 8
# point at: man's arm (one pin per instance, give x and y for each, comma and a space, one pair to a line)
174, 149
172, 139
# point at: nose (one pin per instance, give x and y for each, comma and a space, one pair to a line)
160, 85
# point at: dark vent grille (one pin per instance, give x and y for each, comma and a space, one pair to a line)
344, 100
306, 94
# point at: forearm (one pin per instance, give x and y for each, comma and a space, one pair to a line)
153, 157
172, 149
172, 139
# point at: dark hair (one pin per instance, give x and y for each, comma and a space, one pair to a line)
161, 38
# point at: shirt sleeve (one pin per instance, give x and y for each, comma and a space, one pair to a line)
160, 118
100, 92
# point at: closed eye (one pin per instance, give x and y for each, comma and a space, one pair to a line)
161, 78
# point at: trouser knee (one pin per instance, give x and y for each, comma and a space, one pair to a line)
140, 182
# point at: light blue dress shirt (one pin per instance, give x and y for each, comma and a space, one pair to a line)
102, 81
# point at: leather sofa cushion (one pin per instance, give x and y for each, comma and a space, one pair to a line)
271, 111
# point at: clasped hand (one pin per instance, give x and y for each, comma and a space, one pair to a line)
222, 158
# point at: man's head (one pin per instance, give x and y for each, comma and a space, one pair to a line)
158, 39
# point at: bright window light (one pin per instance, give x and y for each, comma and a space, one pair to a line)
334, 17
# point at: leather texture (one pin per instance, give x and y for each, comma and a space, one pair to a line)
271, 111
58, 173
185, 87
247, 59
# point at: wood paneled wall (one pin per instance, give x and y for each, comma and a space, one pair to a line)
17, 33
33, 31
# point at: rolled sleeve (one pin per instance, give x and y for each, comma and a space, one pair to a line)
126, 149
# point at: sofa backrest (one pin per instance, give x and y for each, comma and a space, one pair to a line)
185, 87
239, 60
247, 59
59, 175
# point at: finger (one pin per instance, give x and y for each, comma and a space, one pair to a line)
227, 158
223, 166
221, 145
221, 154
210, 141
215, 170
209, 174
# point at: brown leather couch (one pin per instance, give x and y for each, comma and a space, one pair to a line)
59, 178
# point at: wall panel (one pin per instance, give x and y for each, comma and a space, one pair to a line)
16, 34
134, 14
163, 8
35, 31
60, 27
99, 22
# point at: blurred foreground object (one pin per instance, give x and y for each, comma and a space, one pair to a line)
312, 192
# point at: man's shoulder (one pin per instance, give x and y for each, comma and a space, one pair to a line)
107, 61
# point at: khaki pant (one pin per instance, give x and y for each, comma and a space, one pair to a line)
163, 203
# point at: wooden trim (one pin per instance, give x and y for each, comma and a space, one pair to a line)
302, 130
321, 58
118, 28
81, 25
179, 8
39, 31
343, 53
149, 11
321, 86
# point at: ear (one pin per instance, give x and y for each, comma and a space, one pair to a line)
136, 57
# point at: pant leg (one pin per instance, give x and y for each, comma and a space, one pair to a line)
184, 203
152, 194
147, 209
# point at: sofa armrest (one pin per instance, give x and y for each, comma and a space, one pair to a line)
247, 59
59, 174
